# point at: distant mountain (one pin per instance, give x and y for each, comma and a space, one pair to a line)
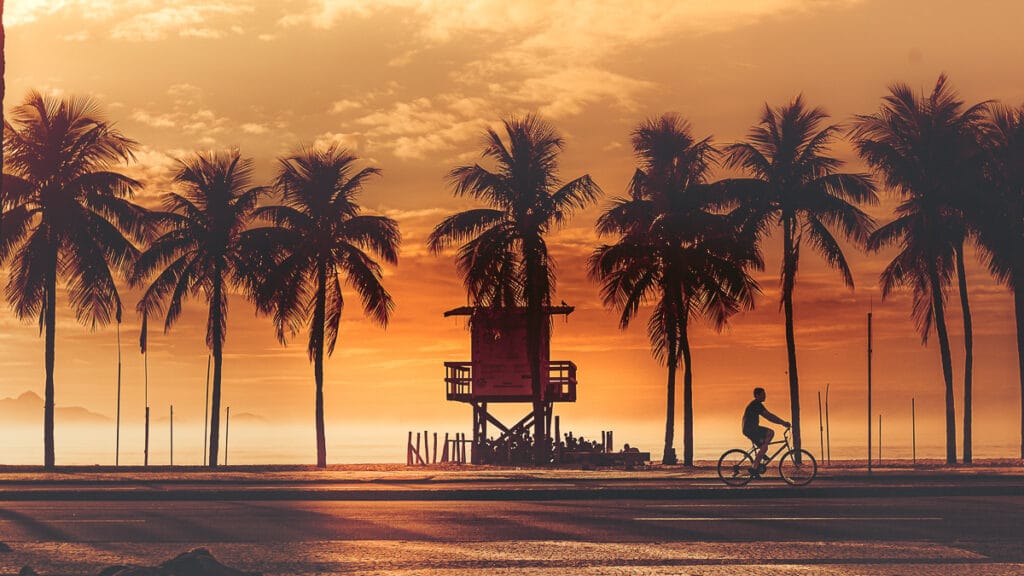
28, 408
249, 417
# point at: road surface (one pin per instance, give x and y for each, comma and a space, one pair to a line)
962, 535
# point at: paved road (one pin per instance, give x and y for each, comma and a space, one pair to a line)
962, 535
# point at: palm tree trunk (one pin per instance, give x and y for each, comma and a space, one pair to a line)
218, 357
947, 362
534, 323
669, 456
788, 281
968, 354
1018, 302
50, 318
319, 315
684, 345
533, 352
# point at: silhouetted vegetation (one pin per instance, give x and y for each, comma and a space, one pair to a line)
200, 248
674, 249
927, 148
67, 217
794, 184
319, 235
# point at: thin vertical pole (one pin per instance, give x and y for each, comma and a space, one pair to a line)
869, 392
821, 428
206, 412
145, 375
913, 429
879, 438
227, 428
117, 435
558, 441
828, 431
435, 447
172, 434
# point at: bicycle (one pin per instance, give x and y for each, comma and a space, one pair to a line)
734, 467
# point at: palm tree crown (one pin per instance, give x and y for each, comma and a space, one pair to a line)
673, 249
66, 215
201, 249
319, 236
796, 185
504, 258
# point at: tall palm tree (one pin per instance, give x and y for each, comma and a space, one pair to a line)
796, 185
504, 259
674, 250
68, 217
201, 250
321, 236
927, 149
1000, 217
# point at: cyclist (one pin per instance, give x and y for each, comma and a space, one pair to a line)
760, 435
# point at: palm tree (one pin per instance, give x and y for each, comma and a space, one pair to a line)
201, 249
797, 186
927, 149
320, 235
67, 216
672, 249
1000, 218
504, 259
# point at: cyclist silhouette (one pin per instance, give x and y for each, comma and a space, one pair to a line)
759, 435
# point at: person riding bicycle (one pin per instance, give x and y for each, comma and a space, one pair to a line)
759, 435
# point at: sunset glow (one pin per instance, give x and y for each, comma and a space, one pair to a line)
410, 87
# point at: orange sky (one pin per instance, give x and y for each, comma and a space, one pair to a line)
410, 86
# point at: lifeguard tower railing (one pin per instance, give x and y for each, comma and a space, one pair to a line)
561, 385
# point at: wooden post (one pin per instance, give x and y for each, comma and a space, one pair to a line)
913, 430
879, 439
408, 450
444, 456
435, 447
463, 448
821, 427
828, 431
426, 448
558, 441
611, 441
419, 458
227, 428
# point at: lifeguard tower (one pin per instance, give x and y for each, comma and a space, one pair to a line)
499, 371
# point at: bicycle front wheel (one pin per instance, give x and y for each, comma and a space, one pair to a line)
798, 471
734, 467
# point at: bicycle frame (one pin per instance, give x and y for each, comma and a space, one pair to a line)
784, 445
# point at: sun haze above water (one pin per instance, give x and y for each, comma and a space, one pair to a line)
410, 87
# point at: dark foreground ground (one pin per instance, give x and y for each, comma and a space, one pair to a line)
446, 520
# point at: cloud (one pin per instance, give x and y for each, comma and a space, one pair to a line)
253, 128
187, 20
411, 130
139, 20
550, 54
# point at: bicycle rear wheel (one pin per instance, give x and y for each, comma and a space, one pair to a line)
734, 467
798, 472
